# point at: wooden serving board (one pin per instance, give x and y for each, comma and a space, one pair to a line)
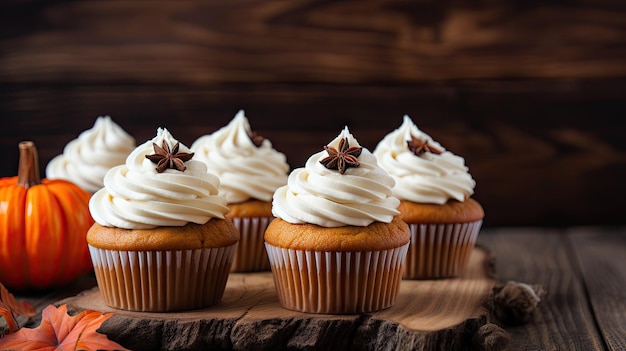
433, 314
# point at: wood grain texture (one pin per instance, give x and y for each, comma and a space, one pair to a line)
531, 93
601, 258
195, 42
573, 316
428, 315
563, 320
537, 157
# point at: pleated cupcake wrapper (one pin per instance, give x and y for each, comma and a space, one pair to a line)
336, 282
251, 255
440, 250
159, 281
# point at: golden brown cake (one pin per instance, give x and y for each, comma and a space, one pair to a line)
434, 187
214, 233
250, 170
451, 212
337, 243
374, 237
161, 241
250, 208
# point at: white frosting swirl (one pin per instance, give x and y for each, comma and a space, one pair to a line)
429, 178
245, 170
86, 159
136, 196
318, 195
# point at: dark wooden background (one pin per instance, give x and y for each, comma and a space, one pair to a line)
531, 93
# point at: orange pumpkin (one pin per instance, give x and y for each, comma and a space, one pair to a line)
43, 227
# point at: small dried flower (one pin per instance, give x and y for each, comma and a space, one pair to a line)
164, 158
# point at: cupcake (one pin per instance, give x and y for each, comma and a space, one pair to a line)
337, 243
434, 187
250, 170
161, 241
86, 159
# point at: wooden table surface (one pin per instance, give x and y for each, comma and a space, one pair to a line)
581, 268
583, 271
531, 93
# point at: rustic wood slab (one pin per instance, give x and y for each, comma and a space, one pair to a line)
433, 314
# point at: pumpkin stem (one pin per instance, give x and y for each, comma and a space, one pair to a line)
28, 168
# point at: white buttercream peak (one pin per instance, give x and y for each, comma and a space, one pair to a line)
318, 195
427, 178
86, 159
246, 171
136, 196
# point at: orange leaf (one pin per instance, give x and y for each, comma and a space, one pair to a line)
60, 331
9, 307
5, 311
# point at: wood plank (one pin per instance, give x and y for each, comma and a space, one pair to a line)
602, 259
402, 41
540, 131
428, 315
563, 320
534, 87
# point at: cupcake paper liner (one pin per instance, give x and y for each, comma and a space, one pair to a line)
440, 250
162, 281
336, 282
250, 255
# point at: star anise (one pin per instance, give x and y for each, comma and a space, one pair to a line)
257, 139
343, 159
164, 158
419, 147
